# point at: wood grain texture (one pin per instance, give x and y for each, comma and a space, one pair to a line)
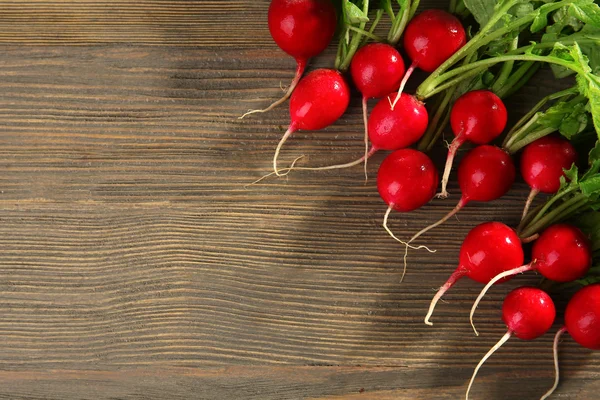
135, 264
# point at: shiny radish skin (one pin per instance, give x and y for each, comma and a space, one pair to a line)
302, 29
528, 312
407, 179
562, 253
398, 128
432, 37
486, 173
582, 322
478, 116
488, 249
377, 70
542, 165
582, 317
320, 99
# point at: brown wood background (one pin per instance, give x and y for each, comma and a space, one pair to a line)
134, 264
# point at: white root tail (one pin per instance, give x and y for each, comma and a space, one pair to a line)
502, 340
452, 149
456, 209
406, 245
407, 75
449, 283
286, 135
301, 66
530, 198
556, 368
366, 123
510, 272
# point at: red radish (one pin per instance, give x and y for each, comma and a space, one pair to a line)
407, 179
562, 253
488, 249
542, 165
484, 174
303, 29
479, 117
430, 39
528, 312
376, 70
582, 322
320, 99
388, 130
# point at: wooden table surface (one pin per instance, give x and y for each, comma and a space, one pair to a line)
134, 263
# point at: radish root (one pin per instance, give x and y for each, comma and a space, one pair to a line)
366, 123
449, 283
556, 368
530, 198
456, 209
301, 66
286, 135
456, 143
510, 272
288, 170
502, 340
407, 245
407, 75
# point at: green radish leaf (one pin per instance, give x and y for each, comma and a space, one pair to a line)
482, 10
570, 178
563, 19
587, 12
590, 185
353, 14
594, 153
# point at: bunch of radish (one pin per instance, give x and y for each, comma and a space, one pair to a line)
469, 79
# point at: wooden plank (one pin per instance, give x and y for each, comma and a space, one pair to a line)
289, 382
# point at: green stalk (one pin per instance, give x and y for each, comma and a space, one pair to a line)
567, 208
426, 91
366, 34
468, 74
431, 134
519, 78
355, 42
373, 26
506, 70
529, 138
399, 24
547, 206
413, 9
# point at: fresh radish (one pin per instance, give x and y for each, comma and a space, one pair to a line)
407, 179
562, 253
488, 249
430, 39
388, 130
376, 70
543, 163
303, 29
319, 100
582, 322
484, 174
478, 117
528, 312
